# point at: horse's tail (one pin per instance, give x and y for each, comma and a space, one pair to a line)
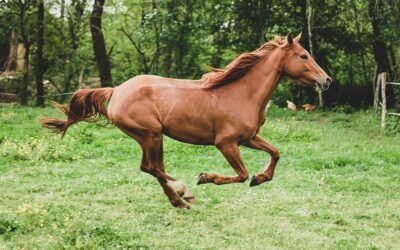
85, 105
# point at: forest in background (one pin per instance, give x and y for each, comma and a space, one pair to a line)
49, 48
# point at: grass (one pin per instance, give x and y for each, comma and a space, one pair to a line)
337, 186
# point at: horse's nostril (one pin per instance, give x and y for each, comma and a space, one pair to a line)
328, 80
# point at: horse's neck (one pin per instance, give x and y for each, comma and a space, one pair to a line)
260, 82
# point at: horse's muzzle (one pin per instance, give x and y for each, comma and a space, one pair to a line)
324, 83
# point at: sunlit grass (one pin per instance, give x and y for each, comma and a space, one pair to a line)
336, 187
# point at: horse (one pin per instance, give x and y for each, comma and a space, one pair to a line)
225, 108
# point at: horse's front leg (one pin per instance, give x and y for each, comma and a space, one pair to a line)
232, 155
268, 173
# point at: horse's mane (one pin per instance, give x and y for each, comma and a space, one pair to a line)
239, 66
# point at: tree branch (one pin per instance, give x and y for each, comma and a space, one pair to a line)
137, 47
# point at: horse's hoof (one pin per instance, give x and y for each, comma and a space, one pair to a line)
187, 207
254, 181
201, 179
191, 200
189, 197
180, 204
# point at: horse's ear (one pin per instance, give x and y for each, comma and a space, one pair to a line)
290, 39
298, 37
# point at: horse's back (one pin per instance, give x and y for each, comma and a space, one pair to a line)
147, 86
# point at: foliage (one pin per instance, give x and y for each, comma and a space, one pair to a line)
336, 186
393, 123
185, 38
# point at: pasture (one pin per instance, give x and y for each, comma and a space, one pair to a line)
336, 186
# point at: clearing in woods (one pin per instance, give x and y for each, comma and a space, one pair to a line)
336, 186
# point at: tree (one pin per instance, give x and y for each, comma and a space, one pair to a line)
75, 20
26, 39
184, 38
11, 64
149, 24
311, 41
379, 47
220, 28
251, 18
99, 46
39, 55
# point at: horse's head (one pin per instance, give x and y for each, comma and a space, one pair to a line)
301, 67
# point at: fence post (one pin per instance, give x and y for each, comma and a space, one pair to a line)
383, 90
374, 83
376, 92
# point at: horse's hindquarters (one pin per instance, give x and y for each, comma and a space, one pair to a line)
182, 113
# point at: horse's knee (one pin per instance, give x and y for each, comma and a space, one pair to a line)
274, 154
148, 169
243, 177
145, 169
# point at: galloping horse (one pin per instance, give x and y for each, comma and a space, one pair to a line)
225, 108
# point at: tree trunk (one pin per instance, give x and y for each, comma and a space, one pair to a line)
310, 24
378, 45
157, 29
309, 94
220, 39
11, 64
310, 20
39, 56
262, 19
99, 46
167, 65
62, 9
71, 29
358, 32
183, 46
25, 79
27, 45
393, 64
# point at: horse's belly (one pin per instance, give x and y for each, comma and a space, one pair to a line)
189, 127
189, 134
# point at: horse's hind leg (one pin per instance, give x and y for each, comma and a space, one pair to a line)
232, 155
268, 173
152, 163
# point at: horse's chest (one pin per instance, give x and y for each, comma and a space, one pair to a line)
253, 127
261, 120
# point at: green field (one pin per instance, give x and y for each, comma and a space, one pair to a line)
337, 186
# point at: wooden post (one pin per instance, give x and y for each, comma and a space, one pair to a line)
80, 79
374, 83
376, 92
321, 98
383, 90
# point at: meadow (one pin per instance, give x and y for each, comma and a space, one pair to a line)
337, 186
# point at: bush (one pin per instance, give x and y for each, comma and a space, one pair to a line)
347, 109
393, 123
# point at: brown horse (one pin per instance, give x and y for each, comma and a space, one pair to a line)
225, 108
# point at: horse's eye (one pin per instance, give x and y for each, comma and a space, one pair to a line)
304, 57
